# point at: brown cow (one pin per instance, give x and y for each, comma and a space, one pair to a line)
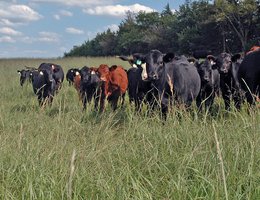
76, 81
252, 49
114, 84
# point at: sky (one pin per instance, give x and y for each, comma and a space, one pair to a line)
48, 28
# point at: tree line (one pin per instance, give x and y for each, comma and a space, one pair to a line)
219, 26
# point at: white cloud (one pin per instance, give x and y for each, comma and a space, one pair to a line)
9, 31
80, 3
74, 31
7, 39
48, 37
117, 10
65, 13
17, 14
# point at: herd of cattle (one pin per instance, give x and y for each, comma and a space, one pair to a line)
156, 79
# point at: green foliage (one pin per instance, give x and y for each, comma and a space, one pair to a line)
231, 26
122, 154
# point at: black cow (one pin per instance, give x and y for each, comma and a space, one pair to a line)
227, 66
173, 77
249, 76
55, 70
24, 75
89, 86
44, 86
210, 82
71, 74
138, 90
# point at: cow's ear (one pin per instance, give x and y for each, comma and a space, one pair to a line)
168, 57
212, 59
192, 60
235, 57
18, 71
125, 58
112, 68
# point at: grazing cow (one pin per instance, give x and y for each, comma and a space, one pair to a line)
249, 76
227, 66
114, 84
44, 86
89, 85
210, 82
55, 70
138, 90
173, 77
24, 75
70, 75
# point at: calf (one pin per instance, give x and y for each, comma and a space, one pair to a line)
114, 84
249, 76
210, 82
43, 86
227, 66
24, 75
138, 90
174, 78
89, 85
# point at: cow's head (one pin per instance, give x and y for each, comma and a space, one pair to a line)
153, 64
24, 74
71, 74
205, 68
103, 72
224, 63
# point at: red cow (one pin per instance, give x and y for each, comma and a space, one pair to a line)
253, 48
76, 81
114, 84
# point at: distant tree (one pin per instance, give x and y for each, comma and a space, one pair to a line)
240, 16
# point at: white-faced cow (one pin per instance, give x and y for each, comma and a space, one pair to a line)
174, 78
139, 90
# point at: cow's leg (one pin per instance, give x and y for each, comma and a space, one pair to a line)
164, 106
114, 99
84, 100
123, 99
226, 94
198, 102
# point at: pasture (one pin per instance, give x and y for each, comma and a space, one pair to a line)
61, 152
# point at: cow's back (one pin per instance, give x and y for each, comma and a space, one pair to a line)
186, 80
249, 71
118, 77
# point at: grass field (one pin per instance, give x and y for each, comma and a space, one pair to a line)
61, 152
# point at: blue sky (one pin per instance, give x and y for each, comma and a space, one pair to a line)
48, 28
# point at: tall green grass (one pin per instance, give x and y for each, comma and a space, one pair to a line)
61, 152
